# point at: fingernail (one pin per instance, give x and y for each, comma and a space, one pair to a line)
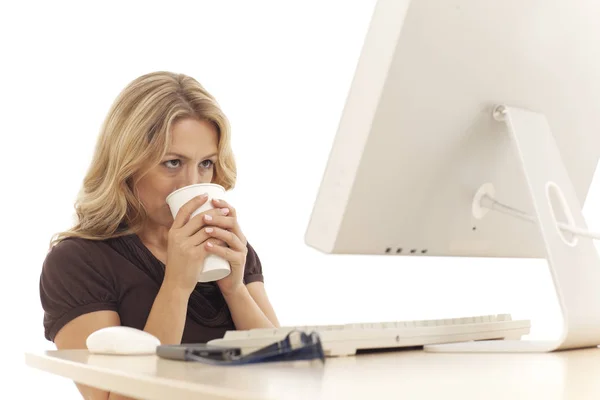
225, 211
216, 201
209, 244
208, 217
209, 230
203, 196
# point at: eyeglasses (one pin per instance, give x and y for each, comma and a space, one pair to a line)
296, 346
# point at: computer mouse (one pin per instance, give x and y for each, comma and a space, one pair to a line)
121, 340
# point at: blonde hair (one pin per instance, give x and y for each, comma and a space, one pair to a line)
134, 137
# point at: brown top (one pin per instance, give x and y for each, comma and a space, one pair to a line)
81, 276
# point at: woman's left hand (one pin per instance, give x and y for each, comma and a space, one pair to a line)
224, 227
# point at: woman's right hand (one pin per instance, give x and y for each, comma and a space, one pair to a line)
185, 250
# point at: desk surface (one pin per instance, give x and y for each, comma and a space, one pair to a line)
406, 374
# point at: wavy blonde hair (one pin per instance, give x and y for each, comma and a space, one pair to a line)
134, 138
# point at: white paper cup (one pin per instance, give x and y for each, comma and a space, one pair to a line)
215, 267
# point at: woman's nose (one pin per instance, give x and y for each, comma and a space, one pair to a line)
191, 177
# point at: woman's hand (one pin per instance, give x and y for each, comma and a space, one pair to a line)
231, 244
186, 248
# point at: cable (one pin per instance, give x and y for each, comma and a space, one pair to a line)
579, 232
493, 204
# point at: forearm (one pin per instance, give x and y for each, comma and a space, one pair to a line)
246, 314
165, 321
167, 317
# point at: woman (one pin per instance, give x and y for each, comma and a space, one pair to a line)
127, 261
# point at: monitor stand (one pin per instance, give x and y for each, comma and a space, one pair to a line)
573, 261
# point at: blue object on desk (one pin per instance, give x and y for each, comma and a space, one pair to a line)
295, 346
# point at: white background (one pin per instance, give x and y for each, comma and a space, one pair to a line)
281, 71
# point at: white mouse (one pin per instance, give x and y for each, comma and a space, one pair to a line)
121, 340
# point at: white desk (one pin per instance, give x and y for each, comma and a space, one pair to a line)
397, 375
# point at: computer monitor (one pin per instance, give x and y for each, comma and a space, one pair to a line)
458, 101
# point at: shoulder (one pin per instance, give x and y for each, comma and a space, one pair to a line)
75, 260
73, 254
72, 246
253, 271
73, 281
76, 247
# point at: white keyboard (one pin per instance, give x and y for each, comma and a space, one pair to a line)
344, 340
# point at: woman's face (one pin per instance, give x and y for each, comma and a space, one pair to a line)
190, 159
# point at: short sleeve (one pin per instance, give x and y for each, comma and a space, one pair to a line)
253, 271
73, 283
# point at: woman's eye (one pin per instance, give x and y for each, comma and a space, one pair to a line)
206, 164
172, 164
